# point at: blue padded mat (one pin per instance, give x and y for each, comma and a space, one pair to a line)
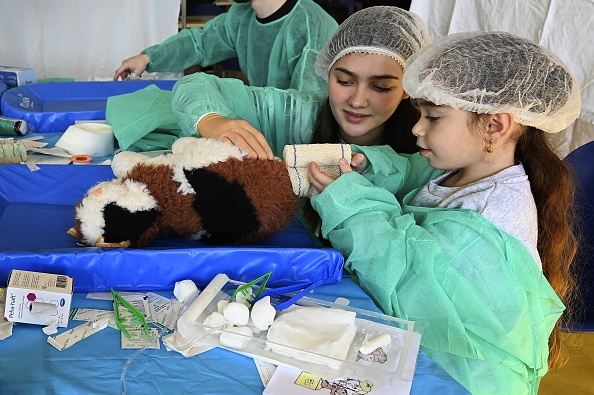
37, 208
54, 106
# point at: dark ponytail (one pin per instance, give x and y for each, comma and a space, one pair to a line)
553, 189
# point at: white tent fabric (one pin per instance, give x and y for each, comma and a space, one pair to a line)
564, 27
85, 40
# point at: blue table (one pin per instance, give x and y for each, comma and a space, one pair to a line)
29, 365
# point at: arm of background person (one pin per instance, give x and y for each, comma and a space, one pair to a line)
196, 46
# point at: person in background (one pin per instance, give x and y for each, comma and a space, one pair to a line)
365, 104
482, 254
275, 41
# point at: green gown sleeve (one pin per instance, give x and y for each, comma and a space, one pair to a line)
213, 43
398, 173
283, 116
488, 310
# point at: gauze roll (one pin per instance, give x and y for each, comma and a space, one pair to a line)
93, 139
299, 156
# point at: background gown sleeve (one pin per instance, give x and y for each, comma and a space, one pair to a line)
205, 46
283, 116
487, 308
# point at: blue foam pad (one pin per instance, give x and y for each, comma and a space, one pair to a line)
37, 208
54, 106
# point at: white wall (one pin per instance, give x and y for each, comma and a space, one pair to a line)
81, 39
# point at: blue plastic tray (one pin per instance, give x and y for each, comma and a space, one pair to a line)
54, 106
37, 208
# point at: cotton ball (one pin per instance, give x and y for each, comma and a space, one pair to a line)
184, 289
263, 313
237, 313
221, 304
370, 345
216, 320
245, 298
236, 337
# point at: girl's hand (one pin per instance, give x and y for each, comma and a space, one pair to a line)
136, 64
320, 180
238, 132
358, 162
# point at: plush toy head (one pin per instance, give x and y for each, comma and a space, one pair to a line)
205, 189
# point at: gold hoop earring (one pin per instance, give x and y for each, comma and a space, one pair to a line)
490, 148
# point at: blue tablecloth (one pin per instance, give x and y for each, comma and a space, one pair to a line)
29, 365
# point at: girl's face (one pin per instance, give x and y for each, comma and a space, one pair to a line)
446, 139
364, 91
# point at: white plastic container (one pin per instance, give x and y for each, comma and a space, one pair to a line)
92, 138
397, 362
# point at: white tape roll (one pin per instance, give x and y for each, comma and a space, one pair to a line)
93, 139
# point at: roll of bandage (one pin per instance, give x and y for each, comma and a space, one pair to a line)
93, 139
12, 151
12, 127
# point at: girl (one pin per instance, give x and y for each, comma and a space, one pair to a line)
482, 253
366, 104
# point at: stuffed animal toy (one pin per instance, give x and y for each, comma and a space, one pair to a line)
204, 189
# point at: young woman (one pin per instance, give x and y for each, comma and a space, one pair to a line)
482, 253
365, 104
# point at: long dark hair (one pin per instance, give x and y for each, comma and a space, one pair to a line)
397, 134
553, 188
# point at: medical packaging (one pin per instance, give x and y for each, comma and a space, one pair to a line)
38, 298
17, 76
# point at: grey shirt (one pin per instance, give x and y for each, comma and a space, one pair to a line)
505, 199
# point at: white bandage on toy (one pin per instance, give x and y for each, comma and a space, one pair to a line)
298, 157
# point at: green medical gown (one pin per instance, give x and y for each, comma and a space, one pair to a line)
281, 53
487, 308
283, 116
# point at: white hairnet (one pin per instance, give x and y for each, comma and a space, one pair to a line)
384, 30
496, 72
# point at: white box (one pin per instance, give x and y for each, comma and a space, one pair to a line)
17, 76
38, 298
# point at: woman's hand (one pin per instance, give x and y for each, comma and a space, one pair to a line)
136, 64
238, 132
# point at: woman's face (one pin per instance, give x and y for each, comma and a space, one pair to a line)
364, 91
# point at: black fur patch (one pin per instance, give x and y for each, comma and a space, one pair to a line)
224, 208
122, 224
